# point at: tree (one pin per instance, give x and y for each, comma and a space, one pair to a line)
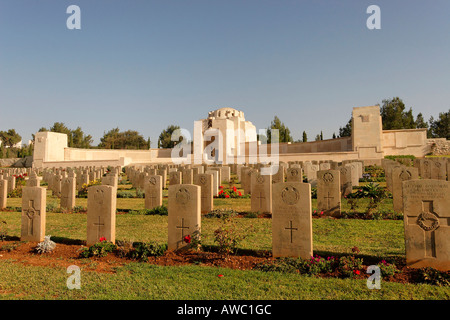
130, 139
318, 137
284, 134
304, 137
10, 137
420, 122
321, 135
164, 140
75, 138
334, 135
440, 128
394, 117
80, 140
346, 131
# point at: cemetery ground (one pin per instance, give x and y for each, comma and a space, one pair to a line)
249, 273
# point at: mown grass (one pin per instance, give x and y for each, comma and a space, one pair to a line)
150, 282
374, 238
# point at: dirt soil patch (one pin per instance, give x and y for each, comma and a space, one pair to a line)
66, 254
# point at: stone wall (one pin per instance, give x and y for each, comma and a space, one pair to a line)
439, 147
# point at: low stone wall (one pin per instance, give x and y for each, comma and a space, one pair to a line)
17, 162
439, 147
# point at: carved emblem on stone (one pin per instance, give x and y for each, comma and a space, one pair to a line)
183, 196
328, 177
152, 180
428, 221
290, 195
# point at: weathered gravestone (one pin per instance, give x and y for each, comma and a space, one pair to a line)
184, 215
439, 169
345, 179
261, 200
400, 174
205, 181
294, 174
33, 214
101, 214
279, 175
153, 191
311, 173
174, 177
329, 192
425, 168
188, 176
426, 206
292, 220
216, 185
11, 183
33, 180
3, 193
163, 174
354, 173
56, 191
111, 179
68, 192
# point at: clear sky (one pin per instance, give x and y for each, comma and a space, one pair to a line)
145, 64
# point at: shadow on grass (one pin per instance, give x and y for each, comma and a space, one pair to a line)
68, 241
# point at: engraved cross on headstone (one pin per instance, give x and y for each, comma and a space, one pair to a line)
182, 227
31, 214
290, 228
260, 197
98, 225
152, 198
328, 200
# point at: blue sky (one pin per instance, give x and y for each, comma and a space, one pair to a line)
144, 65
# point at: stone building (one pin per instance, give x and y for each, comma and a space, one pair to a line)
227, 137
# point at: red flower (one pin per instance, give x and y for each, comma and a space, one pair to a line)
220, 187
220, 275
321, 212
234, 189
221, 191
240, 194
187, 239
102, 239
227, 196
357, 272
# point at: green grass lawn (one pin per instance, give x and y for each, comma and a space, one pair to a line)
374, 238
146, 281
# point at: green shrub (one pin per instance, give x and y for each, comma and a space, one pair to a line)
3, 230
139, 193
435, 277
228, 237
142, 251
160, 210
251, 215
125, 194
221, 213
387, 269
313, 193
16, 193
83, 193
349, 266
100, 249
51, 206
